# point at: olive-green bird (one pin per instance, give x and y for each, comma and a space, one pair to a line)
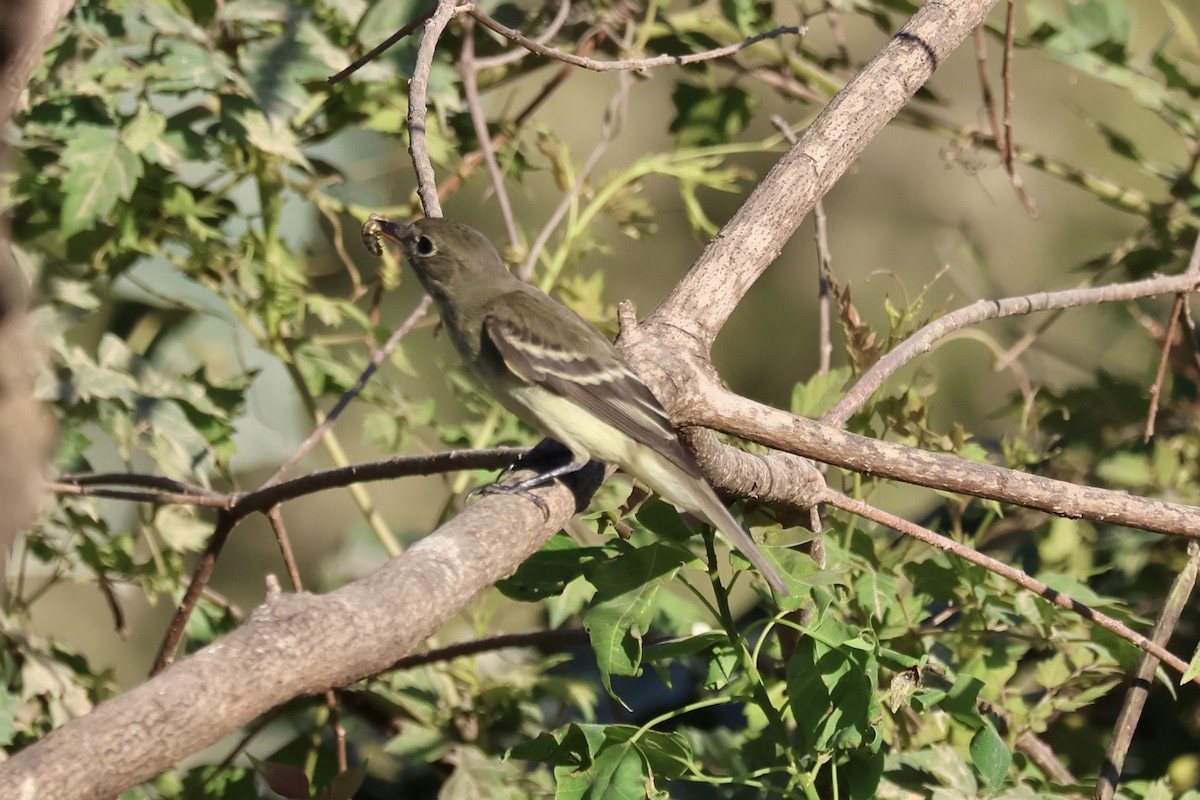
555, 371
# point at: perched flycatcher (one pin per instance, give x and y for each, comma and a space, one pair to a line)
554, 370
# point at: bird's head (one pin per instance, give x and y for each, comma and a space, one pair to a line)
445, 255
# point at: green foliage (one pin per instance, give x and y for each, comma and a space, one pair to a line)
185, 181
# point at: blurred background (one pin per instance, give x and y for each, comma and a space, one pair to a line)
925, 222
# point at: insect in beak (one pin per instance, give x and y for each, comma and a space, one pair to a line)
376, 229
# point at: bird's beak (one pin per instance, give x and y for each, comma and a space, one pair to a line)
378, 227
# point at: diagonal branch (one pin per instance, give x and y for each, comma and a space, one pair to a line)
924, 340
296, 644
635, 64
700, 304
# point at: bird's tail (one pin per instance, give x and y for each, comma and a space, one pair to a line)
691, 492
708, 505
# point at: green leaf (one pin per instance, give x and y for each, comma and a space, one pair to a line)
1193, 668
706, 116
663, 520
9, 706
626, 590
181, 529
188, 66
617, 775
575, 746
990, 756
144, 129
863, 773
548, 571
476, 775
832, 693
819, 393
667, 755
100, 171
419, 743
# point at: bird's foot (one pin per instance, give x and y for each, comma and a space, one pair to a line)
535, 459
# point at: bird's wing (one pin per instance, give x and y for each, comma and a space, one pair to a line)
541, 341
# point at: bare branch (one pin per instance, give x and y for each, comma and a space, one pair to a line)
923, 340
721, 410
377, 359
540, 49
468, 69
560, 18
1139, 688
379, 49
418, 105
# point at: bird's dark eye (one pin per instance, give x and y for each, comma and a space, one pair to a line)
425, 246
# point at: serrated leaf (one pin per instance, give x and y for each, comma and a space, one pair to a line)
100, 171
478, 776
626, 590
820, 392
144, 129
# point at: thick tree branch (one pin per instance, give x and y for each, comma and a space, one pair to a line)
297, 644
732, 414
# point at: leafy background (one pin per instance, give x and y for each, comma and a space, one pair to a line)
187, 202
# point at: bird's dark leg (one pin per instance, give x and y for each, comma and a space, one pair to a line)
547, 460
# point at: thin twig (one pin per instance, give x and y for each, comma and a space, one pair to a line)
239, 506
1010, 32
468, 70
275, 517
358, 289
139, 479
923, 340
120, 622
636, 64
471, 160
512, 56
1139, 689
614, 114
339, 730
1018, 577
550, 638
137, 496
377, 360
379, 49
418, 105
985, 87
825, 274
196, 585
1160, 375
1177, 311
242, 504
824, 266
